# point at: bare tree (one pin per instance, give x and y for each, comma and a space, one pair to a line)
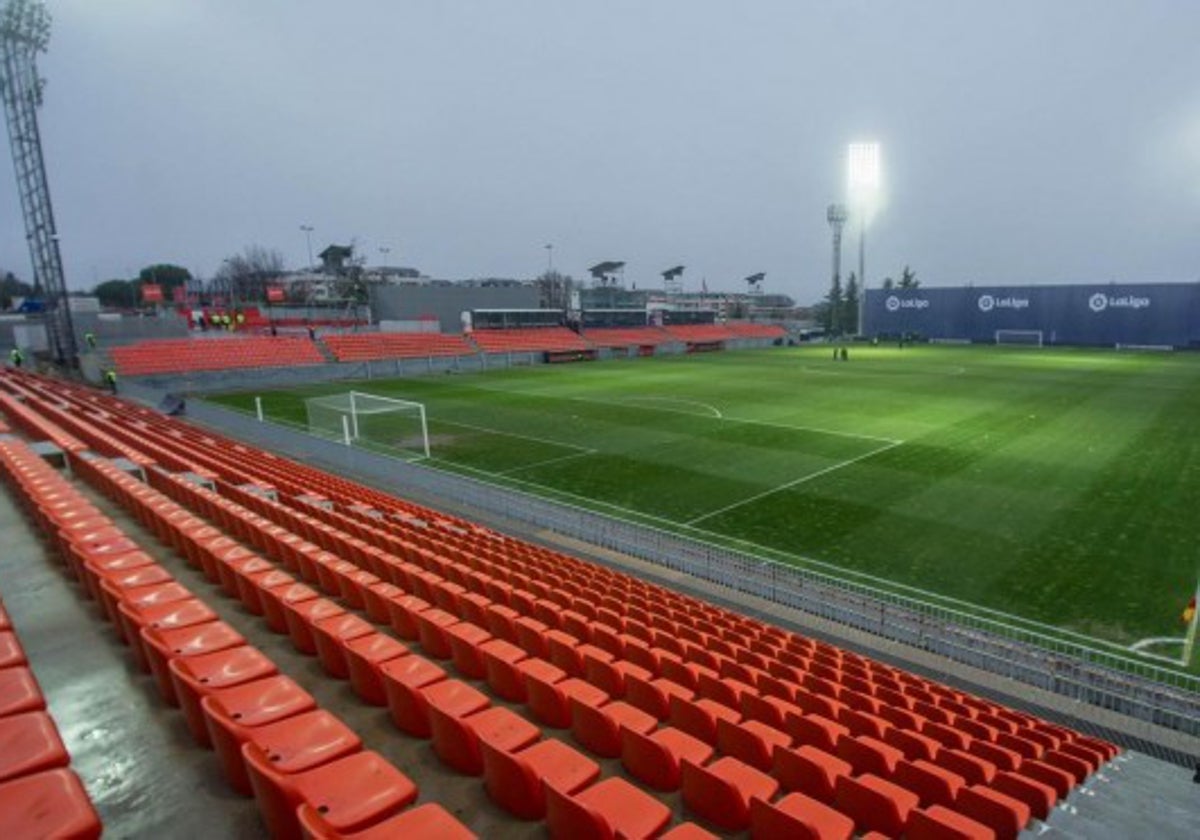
554, 290
245, 276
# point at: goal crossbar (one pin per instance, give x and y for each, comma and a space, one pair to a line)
356, 408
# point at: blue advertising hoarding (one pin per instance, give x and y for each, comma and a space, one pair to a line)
1108, 314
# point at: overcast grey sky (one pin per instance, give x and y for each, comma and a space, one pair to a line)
1033, 141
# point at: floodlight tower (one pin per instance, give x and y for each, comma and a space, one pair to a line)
673, 280
863, 181
25, 32
836, 215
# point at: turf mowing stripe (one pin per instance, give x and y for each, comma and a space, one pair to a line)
790, 484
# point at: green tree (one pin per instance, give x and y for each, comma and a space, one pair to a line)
11, 287
850, 305
118, 294
888, 284
908, 279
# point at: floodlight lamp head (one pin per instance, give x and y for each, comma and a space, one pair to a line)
836, 215
863, 172
26, 22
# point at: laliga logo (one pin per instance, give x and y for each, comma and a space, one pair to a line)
986, 303
1100, 302
892, 303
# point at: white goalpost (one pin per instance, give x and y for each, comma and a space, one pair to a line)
1019, 338
359, 416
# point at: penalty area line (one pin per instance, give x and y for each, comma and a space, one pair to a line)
787, 486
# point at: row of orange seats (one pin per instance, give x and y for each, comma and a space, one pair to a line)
199, 354
423, 623
533, 338
39, 795
305, 768
469, 732
358, 347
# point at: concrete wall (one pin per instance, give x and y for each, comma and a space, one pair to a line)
1100, 314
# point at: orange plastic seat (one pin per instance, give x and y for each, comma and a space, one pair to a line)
914, 745
598, 726
303, 616
29, 743
699, 717
403, 682
798, 816
810, 771
1003, 814
654, 758
500, 659
350, 793
233, 713
516, 780
1040, 797
940, 823
817, 730
365, 656
549, 695
450, 702
751, 741
868, 755
609, 809
1078, 768
875, 804
465, 639
19, 692
934, 785
975, 770
721, 792
186, 612
118, 587
653, 695
161, 646
276, 598
1059, 780
430, 820
195, 677
332, 635
48, 804
11, 652
1004, 759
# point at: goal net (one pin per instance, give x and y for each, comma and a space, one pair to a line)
356, 416
1021, 338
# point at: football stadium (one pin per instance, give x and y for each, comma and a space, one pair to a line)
353, 552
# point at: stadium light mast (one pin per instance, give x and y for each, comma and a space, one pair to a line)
863, 171
308, 229
25, 32
836, 215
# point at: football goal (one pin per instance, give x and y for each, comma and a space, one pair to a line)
1019, 338
356, 416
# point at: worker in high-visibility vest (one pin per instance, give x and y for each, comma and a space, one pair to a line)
110, 379
17, 357
90, 338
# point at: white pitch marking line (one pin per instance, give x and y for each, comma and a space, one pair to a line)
1159, 640
582, 449
767, 423
582, 454
790, 484
716, 412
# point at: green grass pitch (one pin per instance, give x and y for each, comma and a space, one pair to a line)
1059, 485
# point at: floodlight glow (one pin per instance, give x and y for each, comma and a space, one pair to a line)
863, 168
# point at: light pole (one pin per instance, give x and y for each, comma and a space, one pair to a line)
308, 229
863, 181
384, 250
549, 258
836, 215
